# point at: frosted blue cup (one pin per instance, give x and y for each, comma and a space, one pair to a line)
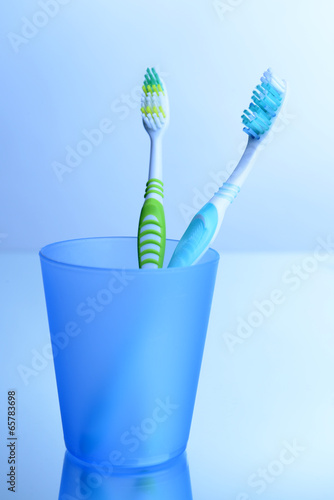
127, 348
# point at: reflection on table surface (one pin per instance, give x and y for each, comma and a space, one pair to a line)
166, 481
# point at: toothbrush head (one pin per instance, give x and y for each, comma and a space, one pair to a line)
154, 103
267, 100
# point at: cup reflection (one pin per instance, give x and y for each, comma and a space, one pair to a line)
81, 481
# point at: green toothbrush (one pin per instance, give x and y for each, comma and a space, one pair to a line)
152, 226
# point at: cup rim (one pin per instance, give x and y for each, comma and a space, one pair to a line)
214, 258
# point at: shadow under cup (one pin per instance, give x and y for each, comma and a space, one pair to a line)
127, 347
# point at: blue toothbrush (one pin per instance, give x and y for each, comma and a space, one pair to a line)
266, 103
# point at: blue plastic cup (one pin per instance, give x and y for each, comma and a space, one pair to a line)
127, 348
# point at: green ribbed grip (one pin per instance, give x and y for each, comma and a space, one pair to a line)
152, 213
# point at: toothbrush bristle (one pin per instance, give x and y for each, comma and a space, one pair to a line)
154, 101
267, 100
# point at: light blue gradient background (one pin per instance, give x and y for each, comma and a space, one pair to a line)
78, 68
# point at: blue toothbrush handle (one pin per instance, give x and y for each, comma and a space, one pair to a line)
197, 237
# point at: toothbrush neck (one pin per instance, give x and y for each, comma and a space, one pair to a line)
245, 164
155, 170
230, 189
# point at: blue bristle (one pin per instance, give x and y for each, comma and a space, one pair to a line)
266, 101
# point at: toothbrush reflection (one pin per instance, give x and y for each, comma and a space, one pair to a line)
85, 481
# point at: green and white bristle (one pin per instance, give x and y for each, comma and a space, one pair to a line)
154, 102
267, 100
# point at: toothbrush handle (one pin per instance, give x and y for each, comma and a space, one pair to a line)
197, 237
151, 239
204, 227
